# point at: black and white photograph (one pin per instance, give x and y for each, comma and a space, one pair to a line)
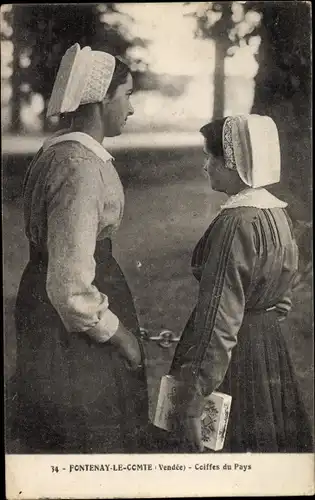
157, 249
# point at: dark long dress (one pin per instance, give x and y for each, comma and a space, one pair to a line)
234, 342
74, 395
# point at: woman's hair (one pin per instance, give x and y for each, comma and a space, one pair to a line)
212, 133
120, 75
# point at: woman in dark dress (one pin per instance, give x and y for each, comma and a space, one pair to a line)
246, 264
80, 382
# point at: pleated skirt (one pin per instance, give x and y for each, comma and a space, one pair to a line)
267, 412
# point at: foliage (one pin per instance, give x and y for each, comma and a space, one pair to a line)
283, 90
279, 35
283, 29
285, 56
231, 24
43, 32
5, 23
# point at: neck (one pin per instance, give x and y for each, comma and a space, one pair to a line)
233, 192
91, 131
88, 121
235, 187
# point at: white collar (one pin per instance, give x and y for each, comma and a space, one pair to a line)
84, 139
250, 197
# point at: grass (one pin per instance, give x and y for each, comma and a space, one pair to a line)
168, 207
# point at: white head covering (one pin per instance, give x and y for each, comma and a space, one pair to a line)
251, 146
83, 77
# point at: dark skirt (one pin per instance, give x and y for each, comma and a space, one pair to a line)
73, 395
267, 413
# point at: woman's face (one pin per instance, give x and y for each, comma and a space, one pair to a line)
216, 171
117, 108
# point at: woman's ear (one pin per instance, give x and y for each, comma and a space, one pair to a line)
104, 103
219, 163
107, 99
103, 106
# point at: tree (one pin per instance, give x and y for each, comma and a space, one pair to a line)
213, 20
8, 34
285, 52
43, 32
283, 81
229, 24
283, 91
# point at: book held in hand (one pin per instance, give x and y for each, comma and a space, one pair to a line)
214, 418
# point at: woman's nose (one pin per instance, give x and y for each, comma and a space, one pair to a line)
206, 166
130, 110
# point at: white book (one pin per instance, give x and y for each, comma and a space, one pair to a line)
214, 419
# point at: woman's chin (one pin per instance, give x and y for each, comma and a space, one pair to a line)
113, 133
218, 189
214, 187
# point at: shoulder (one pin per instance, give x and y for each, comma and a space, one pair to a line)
244, 215
71, 159
239, 218
73, 169
237, 224
72, 152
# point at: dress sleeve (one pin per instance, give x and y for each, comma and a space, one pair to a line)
74, 204
225, 279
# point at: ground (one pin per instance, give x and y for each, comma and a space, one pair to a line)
168, 207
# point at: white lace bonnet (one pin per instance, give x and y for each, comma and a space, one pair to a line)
251, 146
83, 77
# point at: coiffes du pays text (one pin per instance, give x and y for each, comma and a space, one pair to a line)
155, 467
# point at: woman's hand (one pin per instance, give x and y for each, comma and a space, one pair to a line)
190, 429
128, 346
189, 408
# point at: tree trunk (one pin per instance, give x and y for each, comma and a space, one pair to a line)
46, 125
290, 108
219, 81
16, 124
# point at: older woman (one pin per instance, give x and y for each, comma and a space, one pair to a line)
80, 379
246, 264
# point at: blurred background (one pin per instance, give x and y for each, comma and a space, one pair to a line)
191, 62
